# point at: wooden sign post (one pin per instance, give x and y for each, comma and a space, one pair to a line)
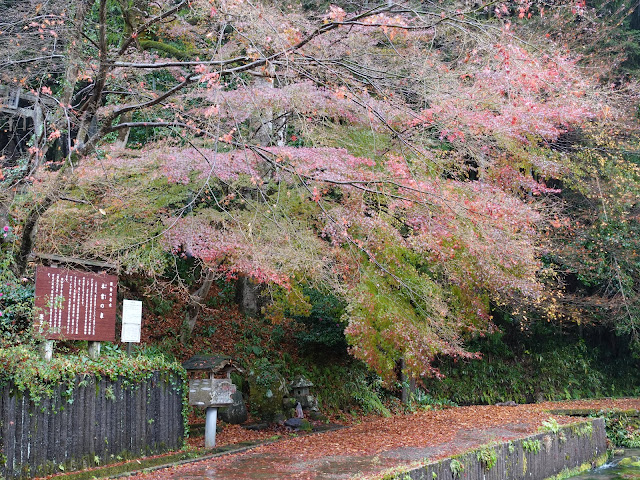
74, 305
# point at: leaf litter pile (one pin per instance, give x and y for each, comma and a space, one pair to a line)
440, 433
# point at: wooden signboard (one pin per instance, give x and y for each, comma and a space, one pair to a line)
75, 305
211, 392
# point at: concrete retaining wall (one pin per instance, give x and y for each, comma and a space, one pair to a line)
537, 457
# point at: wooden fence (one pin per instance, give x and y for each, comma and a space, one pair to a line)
98, 421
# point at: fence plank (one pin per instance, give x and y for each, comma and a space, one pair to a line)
39, 438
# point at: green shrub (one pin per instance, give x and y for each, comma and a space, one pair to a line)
420, 399
623, 430
343, 387
456, 468
323, 330
16, 300
532, 367
531, 445
551, 425
487, 457
367, 392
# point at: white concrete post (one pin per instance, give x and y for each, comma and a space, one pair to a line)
210, 427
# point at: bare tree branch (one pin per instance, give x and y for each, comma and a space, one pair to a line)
180, 64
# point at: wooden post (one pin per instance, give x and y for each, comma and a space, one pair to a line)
94, 350
46, 350
129, 348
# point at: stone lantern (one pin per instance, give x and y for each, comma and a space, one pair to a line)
300, 391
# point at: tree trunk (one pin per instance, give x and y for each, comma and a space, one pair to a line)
270, 131
30, 230
30, 226
195, 306
271, 125
123, 135
634, 24
408, 384
73, 52
248, 296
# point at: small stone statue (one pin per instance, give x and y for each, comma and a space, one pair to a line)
299, 412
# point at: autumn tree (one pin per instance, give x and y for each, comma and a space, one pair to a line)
397, 155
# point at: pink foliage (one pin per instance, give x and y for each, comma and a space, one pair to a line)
514, 96
481, 236
221, 248
317, 164
304, 99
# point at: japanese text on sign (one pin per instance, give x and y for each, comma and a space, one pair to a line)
212, 392
76, 305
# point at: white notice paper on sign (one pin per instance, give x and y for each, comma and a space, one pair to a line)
131, 321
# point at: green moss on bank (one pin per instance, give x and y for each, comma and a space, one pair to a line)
585, 467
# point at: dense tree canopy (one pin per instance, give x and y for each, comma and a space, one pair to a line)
430, 164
